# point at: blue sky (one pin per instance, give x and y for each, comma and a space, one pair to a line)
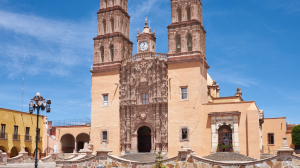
253, 44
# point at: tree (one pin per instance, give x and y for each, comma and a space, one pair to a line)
296, 135
159, 161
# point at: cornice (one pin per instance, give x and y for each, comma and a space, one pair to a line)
111, 35
109, 9
106, 67
186, 58
186, 23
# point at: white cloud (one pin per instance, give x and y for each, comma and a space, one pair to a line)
49, 45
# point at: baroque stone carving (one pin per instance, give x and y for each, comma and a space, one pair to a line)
144, 76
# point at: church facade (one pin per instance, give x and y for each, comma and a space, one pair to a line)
150, 102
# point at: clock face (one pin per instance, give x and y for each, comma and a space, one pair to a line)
143, 46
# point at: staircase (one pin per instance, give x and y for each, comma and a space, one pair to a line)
140, 157
228, 156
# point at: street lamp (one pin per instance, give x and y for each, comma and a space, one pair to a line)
38, 102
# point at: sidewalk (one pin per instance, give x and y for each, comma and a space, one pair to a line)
31, 165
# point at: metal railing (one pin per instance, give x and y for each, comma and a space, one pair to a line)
71, 122
27, 137
40, 139
16, 137
3, 135
145, 55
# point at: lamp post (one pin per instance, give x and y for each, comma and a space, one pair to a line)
38, 102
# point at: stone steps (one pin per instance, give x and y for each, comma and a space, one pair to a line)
265, 156
140, 157
229, 156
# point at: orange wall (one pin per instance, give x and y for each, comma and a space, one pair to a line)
278, 127
248, 126
105, 117
186, 112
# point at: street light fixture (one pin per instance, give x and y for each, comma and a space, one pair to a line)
38, 102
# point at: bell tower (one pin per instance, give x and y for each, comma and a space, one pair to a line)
111, 46
186, 32
112, 43
187, 74
146, 40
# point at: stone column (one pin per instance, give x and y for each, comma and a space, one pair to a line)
128, 129
75, 150
214, 135
134, 143
235, 135
157, 128
61, 147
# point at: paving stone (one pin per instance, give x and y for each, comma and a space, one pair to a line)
229, 156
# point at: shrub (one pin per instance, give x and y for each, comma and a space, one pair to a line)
159, 161
296, 135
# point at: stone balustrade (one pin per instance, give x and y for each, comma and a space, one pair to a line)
3, 158
145, 55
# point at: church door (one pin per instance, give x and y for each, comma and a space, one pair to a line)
225, 138
144, 139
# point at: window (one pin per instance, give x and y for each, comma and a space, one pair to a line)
104, 26
27, 136
183, 93
271, 138
27, 130
184, 133
15, 130
188, 11
111, 52
104, 133
189, 42
102, 53
104, 136
145, 98
2, 133
105, 100
112, 25
2, 128
178, 44
179, 14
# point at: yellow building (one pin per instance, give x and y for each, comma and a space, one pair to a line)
18, 129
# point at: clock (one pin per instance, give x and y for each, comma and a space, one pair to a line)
143, 46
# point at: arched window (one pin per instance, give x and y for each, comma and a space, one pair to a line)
105, 4
188, 13
104, 26
123, 51
112, 22
111, 52
102, 53
178, 43
189, 42
179, 14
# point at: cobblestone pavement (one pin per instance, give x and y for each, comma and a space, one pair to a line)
31, 165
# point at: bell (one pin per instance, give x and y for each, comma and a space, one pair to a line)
178, 46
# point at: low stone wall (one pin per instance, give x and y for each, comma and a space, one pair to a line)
179, 162
3, 158
186, 159
21, 158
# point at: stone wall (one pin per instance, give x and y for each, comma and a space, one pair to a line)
3, 158
182, 162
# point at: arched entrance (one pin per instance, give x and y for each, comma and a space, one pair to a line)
144, 139
67, 143
39, 153
3, 149
14, 152
28, 150
225, 138
81, 139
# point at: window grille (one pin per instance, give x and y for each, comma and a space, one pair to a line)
183, 93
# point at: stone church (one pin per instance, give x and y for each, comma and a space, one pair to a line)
150, 102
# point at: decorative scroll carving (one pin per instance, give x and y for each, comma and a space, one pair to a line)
141, 76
